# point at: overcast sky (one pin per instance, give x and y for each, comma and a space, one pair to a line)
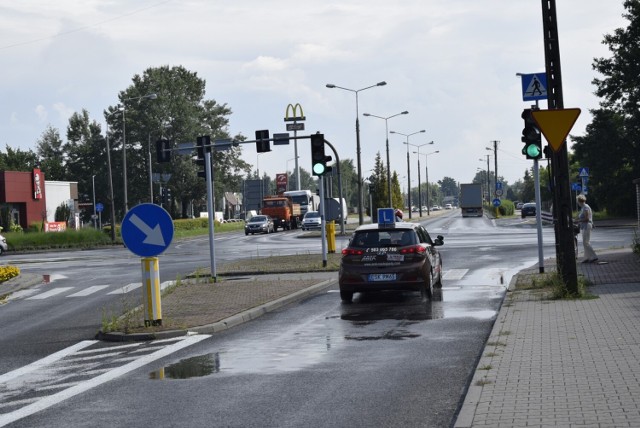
451, 63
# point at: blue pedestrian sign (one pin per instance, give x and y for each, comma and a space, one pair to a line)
99, 207
147, 230
496, 202
576, 187
583, 172
534, 86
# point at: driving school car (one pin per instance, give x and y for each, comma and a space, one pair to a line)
390, 256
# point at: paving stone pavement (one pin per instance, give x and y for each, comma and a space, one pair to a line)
563, 363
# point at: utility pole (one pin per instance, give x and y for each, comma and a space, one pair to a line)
562, 214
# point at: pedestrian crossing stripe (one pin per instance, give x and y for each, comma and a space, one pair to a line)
30, 294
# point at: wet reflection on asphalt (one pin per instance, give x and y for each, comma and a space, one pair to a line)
382, 317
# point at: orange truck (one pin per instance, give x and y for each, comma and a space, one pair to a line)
284, 212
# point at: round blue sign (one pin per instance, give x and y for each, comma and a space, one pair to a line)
147, 230
99, 207
496, 202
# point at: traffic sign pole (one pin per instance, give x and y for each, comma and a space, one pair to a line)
212, 214
151, 292
536, 177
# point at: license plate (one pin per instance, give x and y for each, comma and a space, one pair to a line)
375, 277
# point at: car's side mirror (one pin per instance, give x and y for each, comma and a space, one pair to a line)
439, 240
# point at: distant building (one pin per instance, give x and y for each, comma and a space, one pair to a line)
26, 198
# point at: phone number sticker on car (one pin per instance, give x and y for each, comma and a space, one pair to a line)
375, 277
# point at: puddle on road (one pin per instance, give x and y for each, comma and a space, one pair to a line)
198, 366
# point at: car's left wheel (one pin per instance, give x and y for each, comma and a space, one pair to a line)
426, 293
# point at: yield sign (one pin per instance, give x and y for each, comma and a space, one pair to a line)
556, 124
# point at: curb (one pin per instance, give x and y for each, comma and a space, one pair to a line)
258, 311
227, 323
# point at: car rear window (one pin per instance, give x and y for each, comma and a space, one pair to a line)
383, 238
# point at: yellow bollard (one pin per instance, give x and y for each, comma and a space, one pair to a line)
331, 237
151, 292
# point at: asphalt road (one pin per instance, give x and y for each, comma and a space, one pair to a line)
382, 361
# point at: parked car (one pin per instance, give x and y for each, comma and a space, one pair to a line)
259, 224
519, 205
397, 257
3, 244
528, 209
435, 208
448, 206
311, 221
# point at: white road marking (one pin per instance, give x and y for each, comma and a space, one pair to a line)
45, 361
50, 293
89, 290
454, 274
51, 400
127, 288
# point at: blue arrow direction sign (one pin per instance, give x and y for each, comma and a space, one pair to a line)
496, 202
534, 86
99, 207
147, 230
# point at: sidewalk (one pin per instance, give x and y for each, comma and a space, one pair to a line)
563, 363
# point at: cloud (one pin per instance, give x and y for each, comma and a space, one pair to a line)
41, 112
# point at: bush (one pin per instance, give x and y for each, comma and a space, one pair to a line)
8, 272
507, 208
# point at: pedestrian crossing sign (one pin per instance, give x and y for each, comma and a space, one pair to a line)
534, 86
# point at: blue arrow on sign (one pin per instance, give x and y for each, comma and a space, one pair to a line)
147, 230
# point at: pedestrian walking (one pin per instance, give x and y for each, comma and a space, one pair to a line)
585, 220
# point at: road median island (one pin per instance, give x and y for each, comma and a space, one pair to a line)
197, 303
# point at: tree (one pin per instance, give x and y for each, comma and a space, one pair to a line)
18, 160
611, 146
51, 153
85, 154
528, 188
180, 114
396, 193
610, 165
378, 186
448, 186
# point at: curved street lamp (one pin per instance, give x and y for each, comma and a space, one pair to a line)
355, 91
409, 165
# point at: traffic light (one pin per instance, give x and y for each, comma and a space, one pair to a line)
166, 195
531, 136
318, 158
163, 151
262, 141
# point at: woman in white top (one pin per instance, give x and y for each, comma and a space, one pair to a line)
585, 220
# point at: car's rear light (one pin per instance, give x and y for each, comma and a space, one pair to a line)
352, 252
414, 249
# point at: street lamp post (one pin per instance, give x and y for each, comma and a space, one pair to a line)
95, 216
409, 166
419, 185
112, 208
355, 91
386, 124
124, 143
426, 174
